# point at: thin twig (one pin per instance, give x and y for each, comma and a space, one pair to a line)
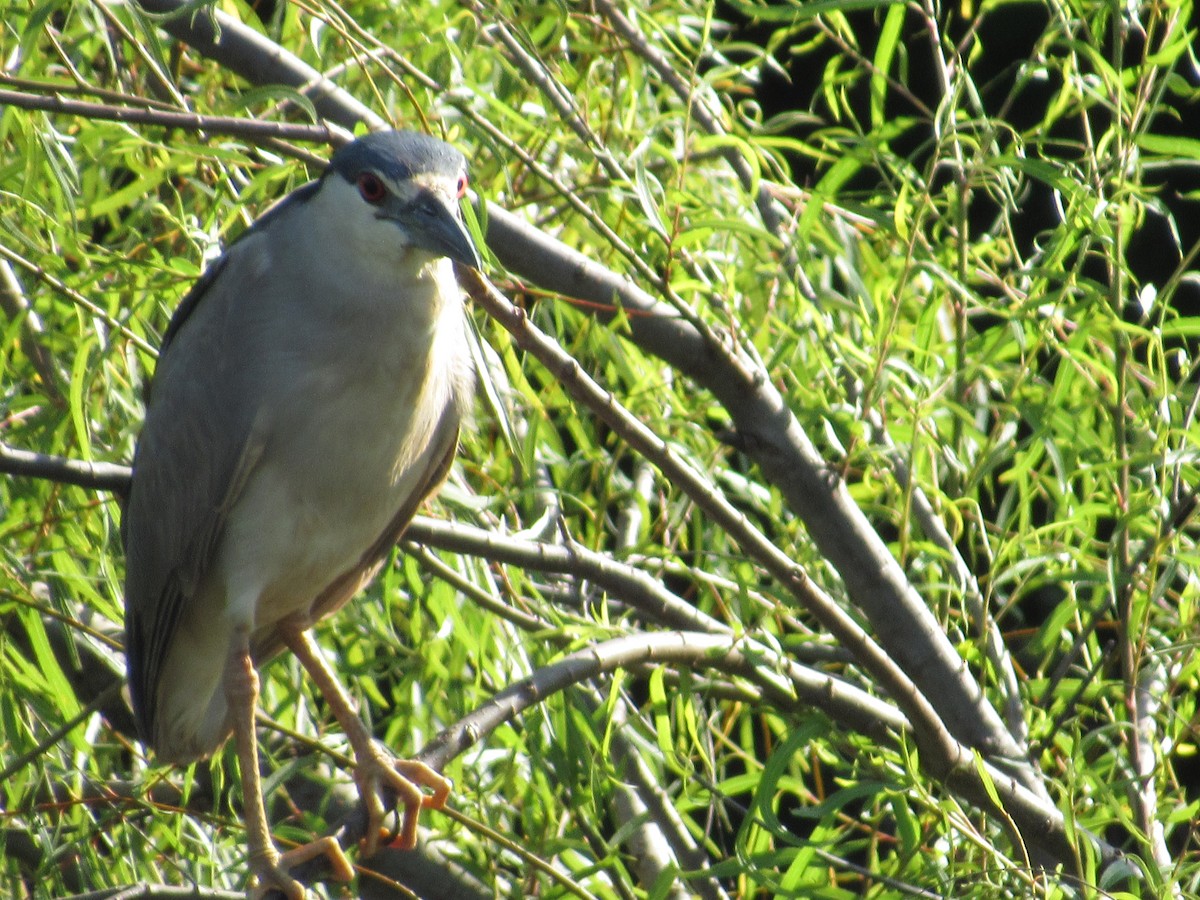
99, 476
233, 126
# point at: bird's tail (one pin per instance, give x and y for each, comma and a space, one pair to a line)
191, 718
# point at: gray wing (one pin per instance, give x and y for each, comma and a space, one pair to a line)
195, 452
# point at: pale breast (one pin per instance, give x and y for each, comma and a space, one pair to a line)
345, 448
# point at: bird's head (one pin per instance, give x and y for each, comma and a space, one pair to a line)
402, 189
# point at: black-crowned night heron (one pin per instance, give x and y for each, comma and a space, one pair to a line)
307, 399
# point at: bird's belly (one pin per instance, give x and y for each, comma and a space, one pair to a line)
325, 491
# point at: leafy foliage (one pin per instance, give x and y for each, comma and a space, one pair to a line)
953, 247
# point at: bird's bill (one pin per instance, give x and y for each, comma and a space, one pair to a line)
446, 235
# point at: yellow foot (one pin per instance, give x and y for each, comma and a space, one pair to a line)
270, 873
377, 772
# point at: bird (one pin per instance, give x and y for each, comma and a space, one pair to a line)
307, 398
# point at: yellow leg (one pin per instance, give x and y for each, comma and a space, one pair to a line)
374, 769
268, 868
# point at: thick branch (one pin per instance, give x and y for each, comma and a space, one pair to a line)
258, 59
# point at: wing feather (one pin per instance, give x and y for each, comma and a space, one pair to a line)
195, 453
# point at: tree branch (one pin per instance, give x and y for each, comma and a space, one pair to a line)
229, 125
100, 476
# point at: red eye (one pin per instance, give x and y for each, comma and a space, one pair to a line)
462, 185
371, 188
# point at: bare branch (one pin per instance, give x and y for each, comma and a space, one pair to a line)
965, 581
99, 476
259, 60
228, 125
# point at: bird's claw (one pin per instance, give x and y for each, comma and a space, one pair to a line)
270, 872
407, 779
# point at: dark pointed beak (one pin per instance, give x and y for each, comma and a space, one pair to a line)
434, 223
